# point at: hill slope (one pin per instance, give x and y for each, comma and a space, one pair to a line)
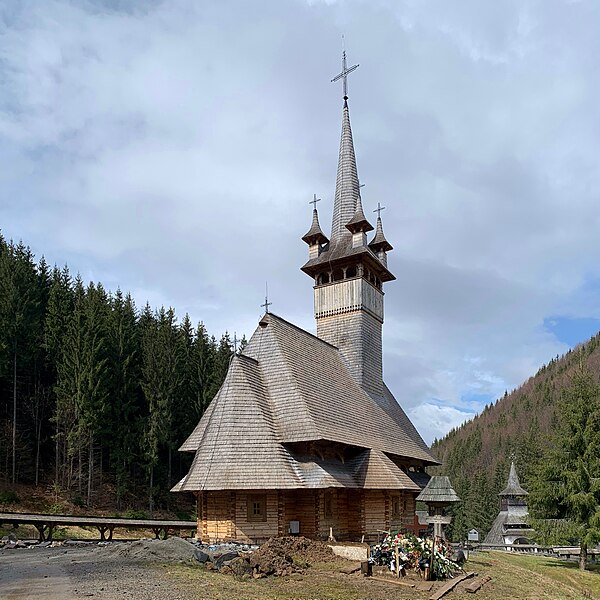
477, 454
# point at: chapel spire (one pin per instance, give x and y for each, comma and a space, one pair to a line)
347, 188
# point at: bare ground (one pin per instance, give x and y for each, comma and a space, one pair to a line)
72, 573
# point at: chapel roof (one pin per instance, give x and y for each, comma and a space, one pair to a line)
438, 489
288, 387
513, 487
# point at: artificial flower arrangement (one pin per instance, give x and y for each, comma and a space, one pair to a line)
415, 553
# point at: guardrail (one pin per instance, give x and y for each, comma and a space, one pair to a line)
45, 524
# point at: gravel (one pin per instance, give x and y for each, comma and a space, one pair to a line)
112, 572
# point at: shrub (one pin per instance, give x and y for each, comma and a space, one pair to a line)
77, 500
9, 497
131, 513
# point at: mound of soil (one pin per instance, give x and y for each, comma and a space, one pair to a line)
171, 549
286, 555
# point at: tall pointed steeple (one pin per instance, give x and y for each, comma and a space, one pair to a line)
348, 273
346, 186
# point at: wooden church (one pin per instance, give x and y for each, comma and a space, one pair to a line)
304, 437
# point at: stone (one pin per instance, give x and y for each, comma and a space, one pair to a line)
218, 562
11, 537
201, 556
459, 557
240, 567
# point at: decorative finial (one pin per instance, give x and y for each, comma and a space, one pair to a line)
344, 74
314, 201
378, 210
267, 303
235, 342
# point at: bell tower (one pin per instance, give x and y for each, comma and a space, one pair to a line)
349, 271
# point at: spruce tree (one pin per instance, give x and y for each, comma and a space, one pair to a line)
19, 323
123, 418
58, 314
568, 483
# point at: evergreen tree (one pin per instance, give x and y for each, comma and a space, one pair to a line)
203, 361
160, 382
19, 323
568, 485
93, 409
70, 389
125, 369
58, 313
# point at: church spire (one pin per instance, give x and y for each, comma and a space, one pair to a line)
347, 189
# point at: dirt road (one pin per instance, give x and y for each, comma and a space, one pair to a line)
73, 573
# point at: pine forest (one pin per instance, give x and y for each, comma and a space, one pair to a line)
96, 394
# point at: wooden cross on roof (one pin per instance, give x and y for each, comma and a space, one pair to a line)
235, 342
379, 209
266, 303
314, 201
344, 74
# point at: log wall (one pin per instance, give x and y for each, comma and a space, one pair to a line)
223, 516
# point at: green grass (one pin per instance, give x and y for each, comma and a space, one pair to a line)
513, 577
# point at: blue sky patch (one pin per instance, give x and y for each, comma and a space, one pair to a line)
572, 331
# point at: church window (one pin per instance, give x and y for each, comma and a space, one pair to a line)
257, 507
351, 272
396, 511
337, 275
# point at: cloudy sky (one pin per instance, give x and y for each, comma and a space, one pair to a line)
171, 149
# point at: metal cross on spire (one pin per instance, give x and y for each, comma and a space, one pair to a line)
344, 74
314, 201
379, 209
266, 303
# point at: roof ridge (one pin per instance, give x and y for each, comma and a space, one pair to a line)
272, 314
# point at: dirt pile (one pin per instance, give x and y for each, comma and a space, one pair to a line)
287, 555
171, 549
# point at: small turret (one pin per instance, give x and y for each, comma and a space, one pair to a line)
314, 237
379, 244
513, 494
358, 226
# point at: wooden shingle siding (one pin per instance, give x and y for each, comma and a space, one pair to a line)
358, 337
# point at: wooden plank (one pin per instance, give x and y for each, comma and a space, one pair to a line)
29, 518
425, 586
449, 586
392, 581
477, 584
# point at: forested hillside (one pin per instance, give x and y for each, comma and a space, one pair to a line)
521, 424
94, 393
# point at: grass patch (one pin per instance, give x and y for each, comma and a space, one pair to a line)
513, 576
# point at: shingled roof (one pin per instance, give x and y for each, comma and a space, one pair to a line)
438, 489
513, 486
288, 387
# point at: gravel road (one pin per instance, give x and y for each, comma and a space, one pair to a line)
72, 573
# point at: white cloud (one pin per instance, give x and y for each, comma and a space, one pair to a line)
172, 151
430, 419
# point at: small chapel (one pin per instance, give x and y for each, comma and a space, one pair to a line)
510, 527
304, 437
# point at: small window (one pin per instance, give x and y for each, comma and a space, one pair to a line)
396, 507
328, 505
350, 272
257, 507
